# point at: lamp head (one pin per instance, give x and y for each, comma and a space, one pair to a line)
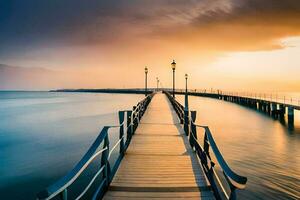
173, 64
146, 70
186, 76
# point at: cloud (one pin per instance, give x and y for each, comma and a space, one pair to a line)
171, 27
238, 25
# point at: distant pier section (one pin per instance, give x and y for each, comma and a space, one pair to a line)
274, 106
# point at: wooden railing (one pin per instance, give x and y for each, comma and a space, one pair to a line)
100, 147
233, 180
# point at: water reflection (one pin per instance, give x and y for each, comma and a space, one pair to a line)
255, 145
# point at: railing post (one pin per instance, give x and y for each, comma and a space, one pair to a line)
121, 135
64, 194
138, 114
129, 127
104, 159
133, 120
180, 114
212, 181
206, 144
193, 135
186, 122
232, 192
142, 110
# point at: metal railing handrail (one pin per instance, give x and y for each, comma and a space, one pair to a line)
234, 177
287, 99
67, 180
197, 145
115, 146
90, 183
234, 180
60, 186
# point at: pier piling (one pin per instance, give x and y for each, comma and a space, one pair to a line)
291, 115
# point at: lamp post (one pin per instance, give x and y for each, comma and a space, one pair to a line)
157, 82
186, 107
146, 73
173, 64
186, 77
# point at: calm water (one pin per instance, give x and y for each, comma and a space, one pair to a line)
254, 145
43, 135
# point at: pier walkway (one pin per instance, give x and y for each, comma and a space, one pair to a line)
158, 155
159, 163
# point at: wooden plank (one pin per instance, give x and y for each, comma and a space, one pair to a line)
158, 195
159, 163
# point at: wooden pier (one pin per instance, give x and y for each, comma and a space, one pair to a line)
158, 156
159, 163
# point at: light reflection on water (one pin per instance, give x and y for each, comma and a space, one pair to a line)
43, 135
254, 145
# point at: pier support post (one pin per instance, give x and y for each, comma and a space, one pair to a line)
264, 107
268, 108
254, 104
282, 111
291, 115
274, 109
261, 106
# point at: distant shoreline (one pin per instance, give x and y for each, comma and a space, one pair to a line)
119, 91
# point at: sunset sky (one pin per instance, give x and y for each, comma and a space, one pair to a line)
240, 45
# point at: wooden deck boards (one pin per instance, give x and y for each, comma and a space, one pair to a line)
159, 163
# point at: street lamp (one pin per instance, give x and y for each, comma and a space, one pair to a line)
186, 107
146, 73
173, 64
186, 77
157, 82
